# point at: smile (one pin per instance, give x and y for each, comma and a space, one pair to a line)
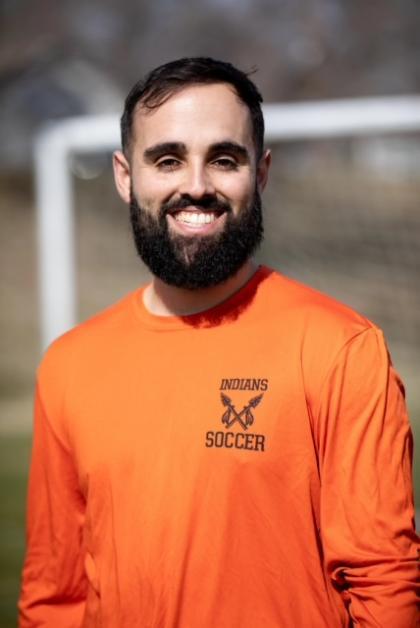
195, 218
196, 221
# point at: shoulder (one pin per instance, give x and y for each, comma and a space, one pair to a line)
310, 310
80, 359
332, 344
318, 330
89, 341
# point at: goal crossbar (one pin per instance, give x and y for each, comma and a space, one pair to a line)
89, 134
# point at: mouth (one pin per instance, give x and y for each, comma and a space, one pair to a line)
193, 217
196, 220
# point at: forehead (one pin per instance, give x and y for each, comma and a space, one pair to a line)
198, 115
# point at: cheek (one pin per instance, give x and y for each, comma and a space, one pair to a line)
145, 197
149, 204
240, 190
150, 197
152, 185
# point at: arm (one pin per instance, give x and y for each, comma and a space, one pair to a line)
53, 581
367, 512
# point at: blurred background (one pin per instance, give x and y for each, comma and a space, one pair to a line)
341, 214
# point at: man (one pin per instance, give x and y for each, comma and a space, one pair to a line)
224, 447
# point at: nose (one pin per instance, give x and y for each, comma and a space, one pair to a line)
197, 181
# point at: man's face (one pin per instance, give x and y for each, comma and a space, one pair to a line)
193, 186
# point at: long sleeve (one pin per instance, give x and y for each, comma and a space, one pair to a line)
53, 582
367, 512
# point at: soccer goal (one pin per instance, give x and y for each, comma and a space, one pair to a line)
305, 136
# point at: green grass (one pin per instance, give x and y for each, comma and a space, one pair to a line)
14, 457
415, 425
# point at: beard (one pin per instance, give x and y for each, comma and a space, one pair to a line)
195, 262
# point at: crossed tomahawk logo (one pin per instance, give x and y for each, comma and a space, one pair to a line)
231, 415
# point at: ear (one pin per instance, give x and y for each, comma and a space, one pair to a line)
122, 175
263, 168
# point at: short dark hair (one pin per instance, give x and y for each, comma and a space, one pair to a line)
167, 79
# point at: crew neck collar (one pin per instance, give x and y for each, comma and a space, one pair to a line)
223, 313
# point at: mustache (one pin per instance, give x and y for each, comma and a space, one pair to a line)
209, 202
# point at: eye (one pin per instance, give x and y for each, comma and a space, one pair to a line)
168, 163
225, 163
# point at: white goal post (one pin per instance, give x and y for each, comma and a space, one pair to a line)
54, 186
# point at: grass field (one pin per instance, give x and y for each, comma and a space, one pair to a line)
354, 237
14, 457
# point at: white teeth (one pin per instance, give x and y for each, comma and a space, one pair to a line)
196, 218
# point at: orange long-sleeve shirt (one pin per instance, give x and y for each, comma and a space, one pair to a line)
247, 467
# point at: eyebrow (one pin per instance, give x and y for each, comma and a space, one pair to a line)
153, 153
233, 148
165, 148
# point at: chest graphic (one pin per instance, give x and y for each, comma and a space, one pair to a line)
245, 417
239, 414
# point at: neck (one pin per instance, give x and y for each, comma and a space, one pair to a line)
162, 299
